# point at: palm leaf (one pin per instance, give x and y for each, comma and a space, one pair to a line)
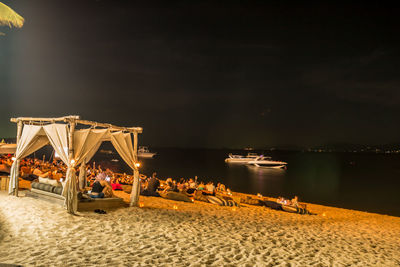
9, 17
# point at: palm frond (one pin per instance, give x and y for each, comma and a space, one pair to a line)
9, 17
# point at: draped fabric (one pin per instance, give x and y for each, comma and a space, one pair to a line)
58, 137
123, 144
86, 144
32, 139
82, 176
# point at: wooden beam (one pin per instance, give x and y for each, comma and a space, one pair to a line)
40, 121
30, 119
111, 127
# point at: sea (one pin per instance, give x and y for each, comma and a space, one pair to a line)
360, 181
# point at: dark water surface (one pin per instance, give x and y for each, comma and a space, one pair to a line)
361, 181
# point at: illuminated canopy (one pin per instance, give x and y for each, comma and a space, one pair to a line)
74, 147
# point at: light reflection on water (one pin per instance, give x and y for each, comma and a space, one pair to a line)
267, 181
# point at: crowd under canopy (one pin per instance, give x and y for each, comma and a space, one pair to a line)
76, 141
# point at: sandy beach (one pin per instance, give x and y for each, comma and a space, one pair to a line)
38, 233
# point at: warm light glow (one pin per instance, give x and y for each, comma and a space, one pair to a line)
234, 209
175, 207
192, 199
13, 158
323, 214
137, 164
72, 161
141, 204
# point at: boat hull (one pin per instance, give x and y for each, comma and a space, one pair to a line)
267, 164
146, 155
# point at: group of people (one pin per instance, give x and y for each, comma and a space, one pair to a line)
152, 186
102, 182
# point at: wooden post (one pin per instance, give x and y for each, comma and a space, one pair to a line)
70, 157
19, 132
71, 140
136, 184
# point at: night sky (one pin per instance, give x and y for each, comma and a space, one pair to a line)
208, 74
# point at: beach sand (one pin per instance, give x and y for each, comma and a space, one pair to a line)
37, 233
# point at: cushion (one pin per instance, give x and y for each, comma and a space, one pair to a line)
116, 186
52, 182
43, 180
57, 190
48, 188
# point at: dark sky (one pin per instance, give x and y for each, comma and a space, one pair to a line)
208, 74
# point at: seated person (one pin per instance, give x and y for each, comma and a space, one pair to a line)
101, 188
192, 183
4, 169
201, 186
171, 186
153, 184
38, 172
209, 189
284, 201
182, 185
25, 171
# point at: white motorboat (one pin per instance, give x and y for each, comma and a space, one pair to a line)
144, 152
242, 159
267, 163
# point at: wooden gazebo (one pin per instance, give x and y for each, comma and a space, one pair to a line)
76, 141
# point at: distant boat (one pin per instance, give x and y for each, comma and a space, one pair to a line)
267, 162
144, 152
242, 159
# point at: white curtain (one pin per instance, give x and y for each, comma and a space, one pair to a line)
32, 139
86, 143
123, 144
58, 137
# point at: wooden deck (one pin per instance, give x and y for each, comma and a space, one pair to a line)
93, 204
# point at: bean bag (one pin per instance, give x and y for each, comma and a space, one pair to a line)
272, 205
200, 197
251, 201
175, 196
222, 201
294, 209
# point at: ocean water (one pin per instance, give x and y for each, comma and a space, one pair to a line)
361, 181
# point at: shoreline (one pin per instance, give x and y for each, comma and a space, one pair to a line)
194, 234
